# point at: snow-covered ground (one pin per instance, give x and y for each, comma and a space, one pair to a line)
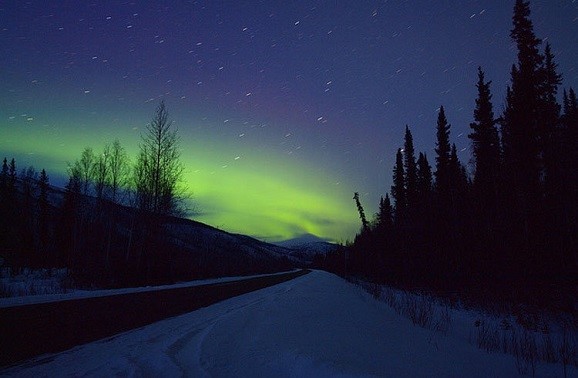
313, 326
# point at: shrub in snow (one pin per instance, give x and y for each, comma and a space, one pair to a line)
420, 309
528, 337
567, 350
34, 282
529, 346
526, 351
444, 322
487, 337
548, 350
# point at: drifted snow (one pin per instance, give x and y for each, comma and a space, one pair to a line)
313, 326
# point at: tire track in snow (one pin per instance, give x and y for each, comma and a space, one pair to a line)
191, 344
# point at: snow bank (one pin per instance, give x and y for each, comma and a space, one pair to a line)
27, 282
316, 325
48, 296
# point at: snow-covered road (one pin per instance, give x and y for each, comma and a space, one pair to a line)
315, 325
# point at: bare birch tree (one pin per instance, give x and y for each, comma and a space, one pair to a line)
158, 170
118, 169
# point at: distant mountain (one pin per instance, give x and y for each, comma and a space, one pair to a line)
306, 246
301, 240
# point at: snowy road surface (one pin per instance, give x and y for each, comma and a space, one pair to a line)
313, 326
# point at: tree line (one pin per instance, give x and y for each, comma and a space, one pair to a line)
511, 224
24, 212
107, 226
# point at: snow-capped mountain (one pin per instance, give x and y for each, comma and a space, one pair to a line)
307, 246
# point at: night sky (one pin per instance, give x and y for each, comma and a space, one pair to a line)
284, 108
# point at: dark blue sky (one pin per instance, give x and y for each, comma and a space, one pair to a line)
322, 87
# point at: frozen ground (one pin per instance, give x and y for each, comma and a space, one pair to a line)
314, 326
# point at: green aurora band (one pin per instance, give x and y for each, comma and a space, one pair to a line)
237, 186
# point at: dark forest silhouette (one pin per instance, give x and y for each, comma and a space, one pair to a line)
511, 229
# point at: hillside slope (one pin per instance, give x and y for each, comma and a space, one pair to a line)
107, 245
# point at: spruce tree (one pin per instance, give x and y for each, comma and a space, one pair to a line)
4, 176
28, 178
43, 214
550, 81
4, 179
364, 222
442, 172
569, 164
571, 171
522, 114
385, 214
569, 103
570, 120
4, 204
12, 176
398, 192
485, 146
424, 206
43, 186
410, 170
10, 215
458, 177
424, 177
69, 228
549, 132
522, 143
529, 58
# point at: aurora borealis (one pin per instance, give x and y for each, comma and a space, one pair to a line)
284, 108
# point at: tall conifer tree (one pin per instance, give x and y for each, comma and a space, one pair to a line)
442, 173
4, 176
569, 163
385, 214
4, 204
12, 176
484, 137
43, 214
485, 145
398, 192
549, 133
424, 177
458, 177
522, 113
410, 170
424, 194
68, 232
364, 222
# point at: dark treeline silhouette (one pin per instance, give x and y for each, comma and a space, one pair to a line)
511, 227
24, 214
116, 223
